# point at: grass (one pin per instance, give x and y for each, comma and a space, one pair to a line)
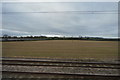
62, 49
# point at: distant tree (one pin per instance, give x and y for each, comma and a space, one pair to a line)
5, 36
15, 37
31, 36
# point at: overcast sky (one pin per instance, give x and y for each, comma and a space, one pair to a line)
53, 19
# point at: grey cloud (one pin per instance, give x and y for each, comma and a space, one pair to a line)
61, 23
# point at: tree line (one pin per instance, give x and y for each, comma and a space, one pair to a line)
23, 38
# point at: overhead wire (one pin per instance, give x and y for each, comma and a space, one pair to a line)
79, 12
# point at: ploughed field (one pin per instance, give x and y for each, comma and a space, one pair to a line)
61, 49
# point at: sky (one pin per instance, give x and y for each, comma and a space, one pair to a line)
60, 18
60, 0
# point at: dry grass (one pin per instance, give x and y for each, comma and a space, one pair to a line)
62, 49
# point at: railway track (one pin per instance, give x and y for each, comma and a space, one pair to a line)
87, 66
65, 74
61, 63
69, 68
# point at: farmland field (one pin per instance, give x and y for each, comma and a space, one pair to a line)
61, 49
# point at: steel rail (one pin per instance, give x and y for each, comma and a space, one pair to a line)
67, 74
51, 65
66, 62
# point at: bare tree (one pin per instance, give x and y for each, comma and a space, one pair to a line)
5, 36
